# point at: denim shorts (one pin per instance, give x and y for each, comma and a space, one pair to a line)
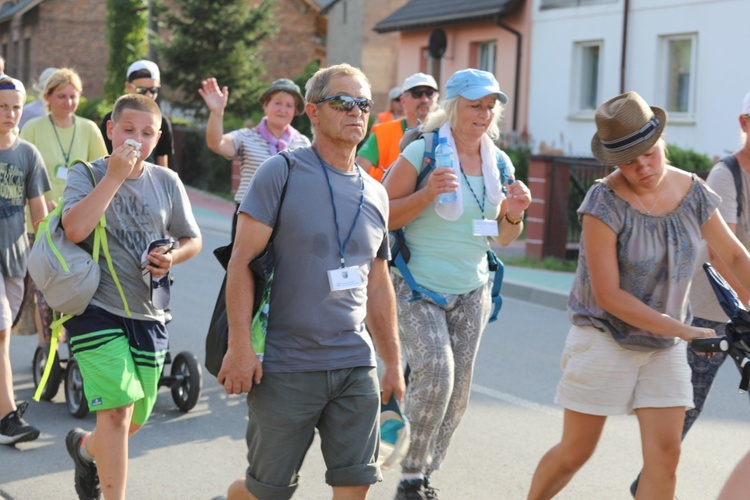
284, 411
602, 378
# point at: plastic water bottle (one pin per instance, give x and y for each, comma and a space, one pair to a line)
444, 159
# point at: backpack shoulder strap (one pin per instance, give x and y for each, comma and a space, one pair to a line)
428, 163
734, 166
100, 241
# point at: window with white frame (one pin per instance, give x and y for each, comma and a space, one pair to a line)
678, 73
486, 53
586, 76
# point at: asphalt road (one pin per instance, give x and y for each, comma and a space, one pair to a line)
510, 423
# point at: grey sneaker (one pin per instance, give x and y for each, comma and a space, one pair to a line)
14, 429
86, 476
410, 489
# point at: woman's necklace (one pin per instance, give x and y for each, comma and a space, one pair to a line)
658, 195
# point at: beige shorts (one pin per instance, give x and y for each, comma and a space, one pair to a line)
11, 296
602, 378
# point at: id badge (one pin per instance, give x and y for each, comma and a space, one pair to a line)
484, 227
344, 278
61, 172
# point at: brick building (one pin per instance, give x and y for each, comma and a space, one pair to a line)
35, 34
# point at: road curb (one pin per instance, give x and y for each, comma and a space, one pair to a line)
542, 296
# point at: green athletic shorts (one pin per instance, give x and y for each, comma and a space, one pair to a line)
120, 359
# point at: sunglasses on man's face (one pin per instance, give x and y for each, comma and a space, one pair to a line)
346, 103
143, 90
417, 93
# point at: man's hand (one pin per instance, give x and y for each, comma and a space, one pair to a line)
240, 369
393, 384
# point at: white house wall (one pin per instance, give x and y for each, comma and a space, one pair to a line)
722, 75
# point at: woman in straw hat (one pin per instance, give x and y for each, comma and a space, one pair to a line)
629, 308
281, 101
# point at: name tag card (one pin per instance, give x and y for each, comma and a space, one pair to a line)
61, 172
485, 227
344, 278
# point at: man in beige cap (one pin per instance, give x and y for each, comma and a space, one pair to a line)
380, 150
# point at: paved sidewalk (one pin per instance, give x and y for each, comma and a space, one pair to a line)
547, 288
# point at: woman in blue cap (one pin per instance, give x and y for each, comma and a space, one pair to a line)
448, 243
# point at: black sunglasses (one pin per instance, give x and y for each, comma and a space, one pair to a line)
346, 103
143, 90
417, 94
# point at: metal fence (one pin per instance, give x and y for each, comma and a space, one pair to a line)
570, 180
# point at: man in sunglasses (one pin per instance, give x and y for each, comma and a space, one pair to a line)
143, 78
380, 150
330, 247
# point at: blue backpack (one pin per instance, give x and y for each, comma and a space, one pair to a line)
400, 252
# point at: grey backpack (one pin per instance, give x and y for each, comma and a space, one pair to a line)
65, 273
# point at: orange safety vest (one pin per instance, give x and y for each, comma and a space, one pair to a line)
385, 116
389, 136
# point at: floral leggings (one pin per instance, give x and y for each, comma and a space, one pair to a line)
440, 344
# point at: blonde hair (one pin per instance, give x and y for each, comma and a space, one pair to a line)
61, 78
446, 113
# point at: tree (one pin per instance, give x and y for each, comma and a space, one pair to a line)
127, 21
222, 39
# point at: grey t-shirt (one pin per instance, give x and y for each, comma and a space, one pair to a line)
22, 176
149, 207
310, 327
702, 297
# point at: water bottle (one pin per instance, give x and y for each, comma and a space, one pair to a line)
444, 159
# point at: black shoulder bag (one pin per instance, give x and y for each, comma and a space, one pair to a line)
262, 266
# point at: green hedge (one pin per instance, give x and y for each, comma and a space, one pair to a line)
201, 167
687, 159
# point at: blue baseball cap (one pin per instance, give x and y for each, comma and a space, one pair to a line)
473, 84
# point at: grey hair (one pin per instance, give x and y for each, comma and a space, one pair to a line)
317, 86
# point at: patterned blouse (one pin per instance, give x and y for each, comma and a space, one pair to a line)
656, 256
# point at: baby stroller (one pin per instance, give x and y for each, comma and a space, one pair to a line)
736, 343
184, 379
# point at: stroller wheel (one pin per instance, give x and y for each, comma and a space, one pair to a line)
187, 392
74, 396
41, 355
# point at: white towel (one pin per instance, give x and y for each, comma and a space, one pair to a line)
490, 173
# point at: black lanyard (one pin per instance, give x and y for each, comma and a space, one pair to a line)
342, 246
484, 190
66, 156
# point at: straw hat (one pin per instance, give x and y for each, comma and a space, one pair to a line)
626, 127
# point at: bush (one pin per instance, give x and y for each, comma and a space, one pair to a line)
201, 167
518, 146
687, 159
93, 109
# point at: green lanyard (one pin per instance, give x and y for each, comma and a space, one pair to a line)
66, 156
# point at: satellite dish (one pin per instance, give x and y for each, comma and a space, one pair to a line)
437, 43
